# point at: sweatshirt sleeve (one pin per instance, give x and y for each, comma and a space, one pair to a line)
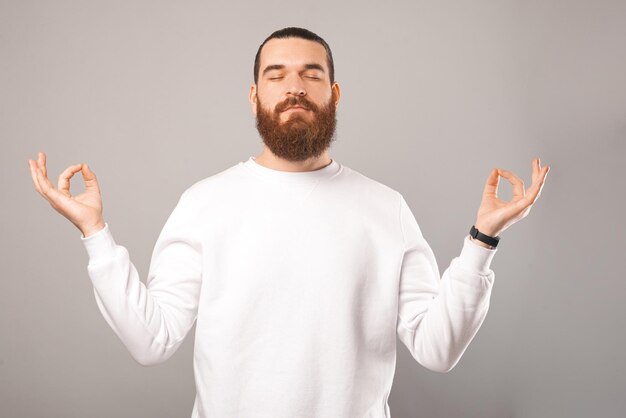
151, 320
438, 318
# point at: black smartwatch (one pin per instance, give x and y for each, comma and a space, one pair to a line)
476, 234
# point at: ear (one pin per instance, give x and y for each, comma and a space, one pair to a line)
336, 92
252, 98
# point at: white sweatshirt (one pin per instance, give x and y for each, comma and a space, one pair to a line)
299, 283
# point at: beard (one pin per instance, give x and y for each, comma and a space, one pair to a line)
298, 138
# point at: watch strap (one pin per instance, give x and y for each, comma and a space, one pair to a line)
476, 234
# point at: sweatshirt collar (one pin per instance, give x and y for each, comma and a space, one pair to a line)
294, 176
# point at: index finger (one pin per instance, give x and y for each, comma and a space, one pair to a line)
65, 176
518, 183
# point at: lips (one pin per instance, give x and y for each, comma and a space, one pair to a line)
295, 108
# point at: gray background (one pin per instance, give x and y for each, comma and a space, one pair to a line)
153, 95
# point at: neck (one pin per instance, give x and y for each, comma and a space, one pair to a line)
270, 160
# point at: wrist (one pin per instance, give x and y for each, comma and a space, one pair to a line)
483, 239
92, 229
482, 244
492, 232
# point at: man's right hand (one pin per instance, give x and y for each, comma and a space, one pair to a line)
83, 210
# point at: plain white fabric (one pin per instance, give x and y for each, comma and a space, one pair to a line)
300, 284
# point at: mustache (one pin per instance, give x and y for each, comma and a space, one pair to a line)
296, 101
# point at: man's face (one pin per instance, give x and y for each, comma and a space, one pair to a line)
294, 72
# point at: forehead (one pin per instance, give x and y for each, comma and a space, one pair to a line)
292, 52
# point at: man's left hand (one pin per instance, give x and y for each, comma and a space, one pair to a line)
496, 215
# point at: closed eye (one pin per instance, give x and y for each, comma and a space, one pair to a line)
311, 77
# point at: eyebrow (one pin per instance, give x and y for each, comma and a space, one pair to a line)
310, 66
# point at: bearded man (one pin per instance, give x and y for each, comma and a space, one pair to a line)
299, 272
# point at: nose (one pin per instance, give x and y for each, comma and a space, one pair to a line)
297, 91
297, 87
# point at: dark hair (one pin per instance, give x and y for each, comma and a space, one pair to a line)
294, 32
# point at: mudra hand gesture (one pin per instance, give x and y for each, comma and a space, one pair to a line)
496, 215
83, 210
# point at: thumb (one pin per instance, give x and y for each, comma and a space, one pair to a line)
491, 185
91, 182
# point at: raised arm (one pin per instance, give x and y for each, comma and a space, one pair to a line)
438, 318
151, 320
